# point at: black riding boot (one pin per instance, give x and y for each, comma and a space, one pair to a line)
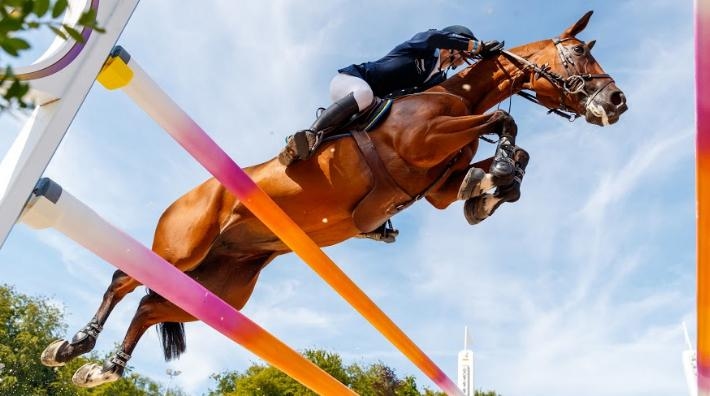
303, 143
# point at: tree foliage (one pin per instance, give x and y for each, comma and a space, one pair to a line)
369, 380
18, 17
27, 326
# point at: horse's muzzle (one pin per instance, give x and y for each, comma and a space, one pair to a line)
606, 106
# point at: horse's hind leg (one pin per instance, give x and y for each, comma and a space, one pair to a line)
230, 280
183, 237
59, 352
153, 309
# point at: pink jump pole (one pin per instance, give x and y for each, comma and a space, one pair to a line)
702, 89
122, 71
50, 206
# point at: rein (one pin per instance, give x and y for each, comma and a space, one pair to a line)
573, 84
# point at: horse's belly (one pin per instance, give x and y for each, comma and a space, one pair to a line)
250, 235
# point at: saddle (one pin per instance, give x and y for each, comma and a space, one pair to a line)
366, 121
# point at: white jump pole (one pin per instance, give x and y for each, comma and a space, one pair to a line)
60, 81
51, 206
122, 71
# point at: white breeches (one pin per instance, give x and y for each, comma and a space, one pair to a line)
343, 84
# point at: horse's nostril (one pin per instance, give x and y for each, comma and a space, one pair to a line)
617, 98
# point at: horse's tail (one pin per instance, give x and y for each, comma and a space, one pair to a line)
173, 338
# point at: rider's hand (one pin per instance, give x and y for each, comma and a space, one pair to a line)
491, 47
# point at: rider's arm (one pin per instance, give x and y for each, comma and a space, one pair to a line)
433, 39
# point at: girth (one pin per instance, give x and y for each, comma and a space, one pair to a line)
385, 196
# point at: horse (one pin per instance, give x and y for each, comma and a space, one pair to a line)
423, 149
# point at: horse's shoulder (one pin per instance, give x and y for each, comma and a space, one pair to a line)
436, 102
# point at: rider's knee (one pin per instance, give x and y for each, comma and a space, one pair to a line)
363, 97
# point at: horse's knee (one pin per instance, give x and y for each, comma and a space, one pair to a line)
506, 126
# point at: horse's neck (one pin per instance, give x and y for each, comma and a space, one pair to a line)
492, 80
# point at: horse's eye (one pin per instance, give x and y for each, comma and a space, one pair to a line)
578, 49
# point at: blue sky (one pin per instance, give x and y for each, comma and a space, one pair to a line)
579, 288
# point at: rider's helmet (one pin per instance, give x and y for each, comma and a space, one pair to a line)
460, 30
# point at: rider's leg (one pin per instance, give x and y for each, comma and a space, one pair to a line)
350, 95
336, 114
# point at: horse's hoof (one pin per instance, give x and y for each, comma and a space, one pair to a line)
480, 208
470, 209
509, 193
471, 184
92, 374
49, 355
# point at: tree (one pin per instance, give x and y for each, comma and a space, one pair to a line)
21, 16
27, 326
372, 380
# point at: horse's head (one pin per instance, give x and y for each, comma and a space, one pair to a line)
566, 77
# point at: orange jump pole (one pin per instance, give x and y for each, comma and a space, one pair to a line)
122, 71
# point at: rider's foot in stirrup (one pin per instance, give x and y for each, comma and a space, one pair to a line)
302, 143
299, 146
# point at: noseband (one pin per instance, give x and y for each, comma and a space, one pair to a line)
573, 84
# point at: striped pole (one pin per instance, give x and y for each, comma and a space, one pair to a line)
50, 206
122, 71
702, 88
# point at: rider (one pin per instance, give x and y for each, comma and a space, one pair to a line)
415, 65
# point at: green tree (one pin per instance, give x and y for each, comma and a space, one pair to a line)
27, 326
18, 17
371, 380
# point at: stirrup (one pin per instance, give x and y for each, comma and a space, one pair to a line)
303, 142
385, 233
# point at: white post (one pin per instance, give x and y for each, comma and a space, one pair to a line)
60, 81
690, 365
465, 367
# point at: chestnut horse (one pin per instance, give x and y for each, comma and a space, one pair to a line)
425, 147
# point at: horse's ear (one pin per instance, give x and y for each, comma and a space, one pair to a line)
590, 44
577, 27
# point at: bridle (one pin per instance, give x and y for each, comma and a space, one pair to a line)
574, 83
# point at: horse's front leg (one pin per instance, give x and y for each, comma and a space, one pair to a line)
474, 185
479, 207
436, 141
445, 135
461, 185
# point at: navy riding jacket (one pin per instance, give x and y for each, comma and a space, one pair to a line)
409, 64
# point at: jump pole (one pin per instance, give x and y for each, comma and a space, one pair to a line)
702, 88
60, 81
51, 206
122, 71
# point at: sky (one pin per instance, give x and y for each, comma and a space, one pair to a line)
581, 287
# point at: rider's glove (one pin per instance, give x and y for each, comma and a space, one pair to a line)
491, 47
